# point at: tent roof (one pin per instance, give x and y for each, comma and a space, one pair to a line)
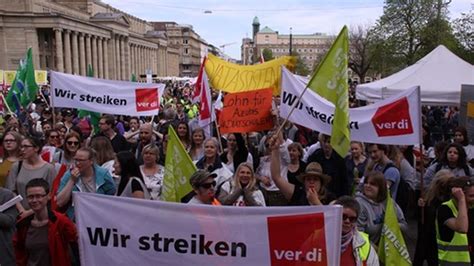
439, 74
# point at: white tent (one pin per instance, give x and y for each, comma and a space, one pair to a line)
439, 74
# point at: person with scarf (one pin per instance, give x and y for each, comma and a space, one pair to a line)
355, 245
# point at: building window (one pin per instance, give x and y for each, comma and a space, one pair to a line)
186, 51
185, 41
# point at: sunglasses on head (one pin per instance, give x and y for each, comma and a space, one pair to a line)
352, 219
208, 185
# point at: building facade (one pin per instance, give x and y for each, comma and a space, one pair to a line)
310, 47
67, 36
192, 48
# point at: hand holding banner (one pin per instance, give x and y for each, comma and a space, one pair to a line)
247, 112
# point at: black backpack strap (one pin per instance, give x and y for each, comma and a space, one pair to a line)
389, 165
20, 164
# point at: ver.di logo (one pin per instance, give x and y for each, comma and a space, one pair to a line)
297, 240
146, 99
393, 119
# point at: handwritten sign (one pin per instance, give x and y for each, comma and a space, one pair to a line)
235, 78
247, 112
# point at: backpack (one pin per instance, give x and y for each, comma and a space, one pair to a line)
403, 189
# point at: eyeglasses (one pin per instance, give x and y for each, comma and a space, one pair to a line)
37, 196
26, 146
9, 140
352, 219
76, 143
54, 136
208, 185
80, 160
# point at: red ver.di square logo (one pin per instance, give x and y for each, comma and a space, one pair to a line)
297, 240
146, 99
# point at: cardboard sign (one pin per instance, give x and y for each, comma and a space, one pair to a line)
247, 112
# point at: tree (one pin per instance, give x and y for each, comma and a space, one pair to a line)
362, 50
267, 54
403, 22
300, 67
463, 28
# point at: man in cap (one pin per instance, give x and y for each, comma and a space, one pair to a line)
203, 184
313, 191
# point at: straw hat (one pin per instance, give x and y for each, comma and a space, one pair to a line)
315, 170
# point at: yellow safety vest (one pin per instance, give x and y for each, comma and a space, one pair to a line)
364, 250
455, 252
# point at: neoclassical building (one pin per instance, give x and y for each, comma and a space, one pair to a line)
310, 47
67, 36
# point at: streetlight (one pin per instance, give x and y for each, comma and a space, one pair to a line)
291, 40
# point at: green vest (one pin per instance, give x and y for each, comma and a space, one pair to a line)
364, 250
455, 252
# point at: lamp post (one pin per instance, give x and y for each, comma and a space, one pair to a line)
291, 41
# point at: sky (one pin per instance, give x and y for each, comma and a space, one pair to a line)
231, 20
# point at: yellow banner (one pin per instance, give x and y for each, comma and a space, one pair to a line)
9, 76
1, 77
234, 78
41, 77
470, 109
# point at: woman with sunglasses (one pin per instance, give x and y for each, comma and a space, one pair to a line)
11, 148
30, 167
203, 185
243, 189
71, 144
373, 202
355, 246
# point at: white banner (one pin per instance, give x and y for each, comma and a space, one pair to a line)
106, 96
126, 231
394, 121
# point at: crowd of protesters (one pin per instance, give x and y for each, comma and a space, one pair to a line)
48, 154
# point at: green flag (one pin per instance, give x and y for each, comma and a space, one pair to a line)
94, 117
134, 78
90, 71
330, 81
392, 247
24, 88
178, 169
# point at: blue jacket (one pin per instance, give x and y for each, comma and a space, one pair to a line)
104, 185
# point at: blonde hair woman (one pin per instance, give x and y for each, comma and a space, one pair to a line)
242, 190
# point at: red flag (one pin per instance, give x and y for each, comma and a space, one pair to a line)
262, 59
198, 86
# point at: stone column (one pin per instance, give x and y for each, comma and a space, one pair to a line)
82, 55
88, 52
132, 58
128, 58
106, 58
100, 49
118, 74
59, 50
75, 54
123, 62
94, 56
67, 51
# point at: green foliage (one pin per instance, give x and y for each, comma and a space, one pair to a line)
267, 54
301, 68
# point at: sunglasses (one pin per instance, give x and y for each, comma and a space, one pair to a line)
208, 185
352, 219
73, 143
54, 136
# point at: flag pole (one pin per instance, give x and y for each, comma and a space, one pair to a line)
219, 136
44, 98
293, 107
6, 104
422, 159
